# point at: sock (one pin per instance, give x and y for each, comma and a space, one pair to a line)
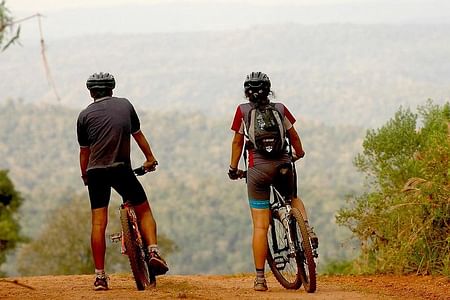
259, 273
100, 272
153, 248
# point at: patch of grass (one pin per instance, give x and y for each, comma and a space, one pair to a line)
338, 267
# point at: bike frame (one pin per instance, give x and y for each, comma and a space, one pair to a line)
137, 255
291, 248
282, 209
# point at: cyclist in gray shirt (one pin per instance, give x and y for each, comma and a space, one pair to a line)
104, 130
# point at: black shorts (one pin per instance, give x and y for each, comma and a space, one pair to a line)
121, 179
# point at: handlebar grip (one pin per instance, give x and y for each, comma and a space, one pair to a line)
139, 171
243, 174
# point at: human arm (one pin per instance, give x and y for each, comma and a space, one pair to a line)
143, 144
85, 150
237, 146
84, 160
296, 143
294, 138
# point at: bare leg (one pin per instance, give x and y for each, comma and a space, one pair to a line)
260, 219
147, 223
98, 240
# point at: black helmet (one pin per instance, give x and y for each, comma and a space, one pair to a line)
101, 81
257, 86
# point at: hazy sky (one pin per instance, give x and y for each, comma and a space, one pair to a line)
65, 18
51, 5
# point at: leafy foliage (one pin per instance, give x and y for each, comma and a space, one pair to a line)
63, 246
403, 221
7, 27
10, 201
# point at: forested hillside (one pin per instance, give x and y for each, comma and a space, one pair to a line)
195, 203
335, 73
338, 80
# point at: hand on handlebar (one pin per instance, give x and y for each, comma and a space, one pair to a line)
150, 166
235, 173
296, 156
146, 167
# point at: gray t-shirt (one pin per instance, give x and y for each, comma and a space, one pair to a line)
105, 126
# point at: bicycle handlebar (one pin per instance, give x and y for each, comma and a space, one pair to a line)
142, 170
243, 173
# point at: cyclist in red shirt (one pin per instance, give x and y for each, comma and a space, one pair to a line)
262, 168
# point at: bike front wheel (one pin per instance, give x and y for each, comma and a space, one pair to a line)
134, 250
284, 264
304, 253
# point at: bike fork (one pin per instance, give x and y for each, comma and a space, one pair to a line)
284, 217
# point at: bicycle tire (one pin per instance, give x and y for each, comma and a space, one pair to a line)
284, 268
134, 251
307, 264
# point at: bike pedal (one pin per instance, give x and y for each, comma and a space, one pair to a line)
115, 237
280, 262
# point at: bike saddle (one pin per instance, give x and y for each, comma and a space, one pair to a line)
284, 169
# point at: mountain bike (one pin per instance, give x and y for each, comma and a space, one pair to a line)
133, 245
290, 255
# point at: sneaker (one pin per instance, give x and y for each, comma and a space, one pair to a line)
157, 264
260, 285
152, 283
101, 283
312, 237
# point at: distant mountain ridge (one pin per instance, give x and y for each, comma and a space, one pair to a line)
337, 74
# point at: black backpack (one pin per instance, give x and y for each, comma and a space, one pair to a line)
265, 129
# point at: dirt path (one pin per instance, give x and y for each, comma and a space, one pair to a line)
226, 287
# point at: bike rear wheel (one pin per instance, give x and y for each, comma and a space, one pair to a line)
135, 251
304, 253
285, 267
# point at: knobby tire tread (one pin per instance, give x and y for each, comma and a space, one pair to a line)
309, 281
138, 267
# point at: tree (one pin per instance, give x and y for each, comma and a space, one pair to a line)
63, 247
403, 219
9, 33
10, 201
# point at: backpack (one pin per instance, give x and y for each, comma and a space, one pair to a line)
265, 129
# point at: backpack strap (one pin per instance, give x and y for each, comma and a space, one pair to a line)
245, 109
280, 123
251, 127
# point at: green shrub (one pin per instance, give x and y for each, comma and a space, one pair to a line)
403, 220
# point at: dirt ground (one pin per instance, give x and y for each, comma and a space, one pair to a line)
226, 287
